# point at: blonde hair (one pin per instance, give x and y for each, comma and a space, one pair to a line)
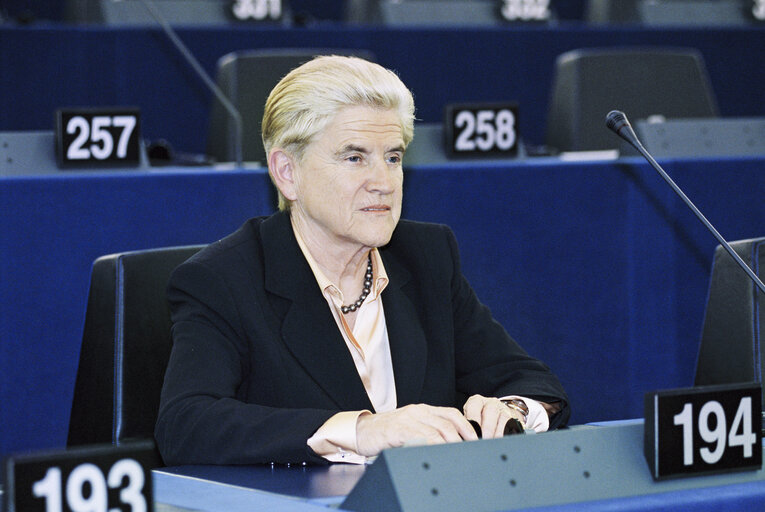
309, 96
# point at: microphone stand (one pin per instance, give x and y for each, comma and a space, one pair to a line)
233, 112
617, 122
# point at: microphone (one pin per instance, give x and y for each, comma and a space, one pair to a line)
199, 70
617, 122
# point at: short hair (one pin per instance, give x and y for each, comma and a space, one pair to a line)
308, 97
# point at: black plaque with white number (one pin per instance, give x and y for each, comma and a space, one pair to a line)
703, 430
257, 11
99, 477
525, 11
98, 137
481, 129
755, 10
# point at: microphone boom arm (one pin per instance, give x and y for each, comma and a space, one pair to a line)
233, 112
618, 123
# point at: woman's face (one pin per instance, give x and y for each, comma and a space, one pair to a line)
348, 187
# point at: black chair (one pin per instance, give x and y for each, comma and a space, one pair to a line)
642, 82
125, 347
731, 348
247, 78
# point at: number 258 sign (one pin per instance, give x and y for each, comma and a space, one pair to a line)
709, 429
97, 137
482, 130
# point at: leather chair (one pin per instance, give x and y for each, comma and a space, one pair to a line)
247, 78
731, 348
642, 82
125, 347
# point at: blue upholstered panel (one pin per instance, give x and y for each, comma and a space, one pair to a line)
51, 230
595, 266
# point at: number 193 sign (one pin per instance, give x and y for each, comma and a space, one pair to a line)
98, 478
703, 430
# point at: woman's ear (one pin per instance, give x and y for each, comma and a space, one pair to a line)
281, 167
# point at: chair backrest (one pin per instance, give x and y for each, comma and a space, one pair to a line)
247, 78
642, 82
125, 347
734, 321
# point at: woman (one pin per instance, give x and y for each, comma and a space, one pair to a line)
332, 329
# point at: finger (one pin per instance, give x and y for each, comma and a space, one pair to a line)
456, 424
445, 428
491, 417
473, 407
464, 428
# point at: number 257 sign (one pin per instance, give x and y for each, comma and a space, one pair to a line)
97, 137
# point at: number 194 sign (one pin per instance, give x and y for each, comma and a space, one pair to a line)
703, 430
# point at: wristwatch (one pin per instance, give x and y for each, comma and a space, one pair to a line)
519, 406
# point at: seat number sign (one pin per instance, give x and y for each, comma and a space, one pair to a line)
703, 430
257, 10
93, 479
481, 130
525, 10
97, 137
758, 10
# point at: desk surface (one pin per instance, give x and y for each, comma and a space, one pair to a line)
273, 485
247, 488
174, 492
205, 488
618, 470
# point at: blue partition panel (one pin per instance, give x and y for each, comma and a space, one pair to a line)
595, 267
51, 229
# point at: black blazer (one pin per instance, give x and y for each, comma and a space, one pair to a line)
258, 363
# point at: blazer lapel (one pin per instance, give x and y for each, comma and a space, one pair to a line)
408, 344
308, 329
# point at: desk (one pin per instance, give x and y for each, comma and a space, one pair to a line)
595, 267
316, 488
203, 495
234, 488
198, 486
